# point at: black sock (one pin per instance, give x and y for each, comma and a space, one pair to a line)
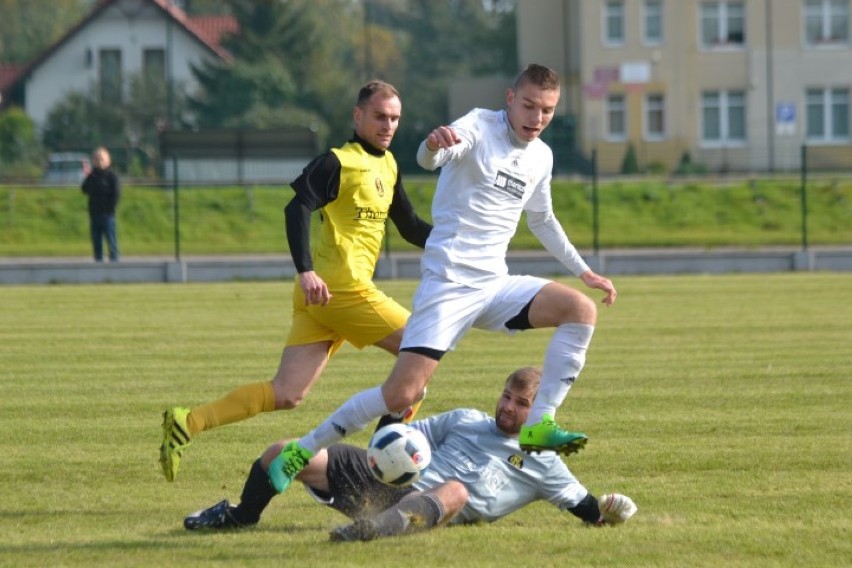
412, 514
587, 509
257, 493
386, 420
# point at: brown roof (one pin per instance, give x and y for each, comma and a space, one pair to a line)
208, 32
9, 73
213, 28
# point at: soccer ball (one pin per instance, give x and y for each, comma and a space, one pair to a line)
397, 454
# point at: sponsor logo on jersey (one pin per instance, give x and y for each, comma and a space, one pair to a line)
516, 461
339, 429
369, 214
510, 184
380, 188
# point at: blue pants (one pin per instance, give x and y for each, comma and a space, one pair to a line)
103, 227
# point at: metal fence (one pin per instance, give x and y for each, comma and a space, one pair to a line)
600, 213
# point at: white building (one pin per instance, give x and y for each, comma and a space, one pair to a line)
737, 85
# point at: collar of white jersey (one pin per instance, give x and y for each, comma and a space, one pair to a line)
513, 138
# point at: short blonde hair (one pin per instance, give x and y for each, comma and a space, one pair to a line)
525, 379
371, 88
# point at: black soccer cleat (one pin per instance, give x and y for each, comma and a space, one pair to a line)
219, 516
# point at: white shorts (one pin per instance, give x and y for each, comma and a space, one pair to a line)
443, 311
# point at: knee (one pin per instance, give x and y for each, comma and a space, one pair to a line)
399, 399
578, 308
587, 309
557, 304
271, 453
454, 497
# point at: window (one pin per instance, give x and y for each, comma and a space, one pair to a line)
110, 75
614, 22
616, 117
826, 22
827, 114
723, 117
652, 33
154, 65
722, 24
655, 117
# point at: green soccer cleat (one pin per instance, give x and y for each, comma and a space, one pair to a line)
175, 440
284, 468
548, 436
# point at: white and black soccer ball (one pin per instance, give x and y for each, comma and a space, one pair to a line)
397, 454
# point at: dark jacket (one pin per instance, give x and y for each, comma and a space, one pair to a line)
104, 190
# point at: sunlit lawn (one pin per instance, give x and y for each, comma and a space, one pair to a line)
722, 405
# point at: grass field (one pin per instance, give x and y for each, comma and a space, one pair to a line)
722, 405
36, 221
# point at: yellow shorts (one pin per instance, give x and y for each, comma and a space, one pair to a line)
362, 318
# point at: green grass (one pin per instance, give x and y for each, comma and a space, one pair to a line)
721, 404
649, 213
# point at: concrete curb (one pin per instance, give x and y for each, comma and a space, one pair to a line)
18, 271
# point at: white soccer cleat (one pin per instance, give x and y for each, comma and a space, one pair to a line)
616, 508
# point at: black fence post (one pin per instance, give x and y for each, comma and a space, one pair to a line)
804, 197
596, 245
176, 208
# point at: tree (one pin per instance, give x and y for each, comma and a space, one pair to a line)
285, 71
27, 28
440, 41
18, 142
80, 122
75, 123
630, 165
298, 62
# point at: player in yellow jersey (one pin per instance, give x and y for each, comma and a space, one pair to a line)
356, 188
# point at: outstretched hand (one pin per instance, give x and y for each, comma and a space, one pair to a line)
441, 137
315, 289
599, 282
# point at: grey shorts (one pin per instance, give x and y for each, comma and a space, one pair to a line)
352, 488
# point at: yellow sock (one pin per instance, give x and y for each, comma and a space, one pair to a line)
239, 404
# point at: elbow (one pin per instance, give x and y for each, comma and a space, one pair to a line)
423, 164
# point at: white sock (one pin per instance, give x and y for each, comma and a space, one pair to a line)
563, 361
352, 417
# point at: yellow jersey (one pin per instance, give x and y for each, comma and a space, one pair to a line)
353, 224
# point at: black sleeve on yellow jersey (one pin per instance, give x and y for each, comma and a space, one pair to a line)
412, 228
318, 184
297, 217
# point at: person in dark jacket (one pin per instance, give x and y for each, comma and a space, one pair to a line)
104, 190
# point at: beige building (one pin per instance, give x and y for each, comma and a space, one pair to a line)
738, 85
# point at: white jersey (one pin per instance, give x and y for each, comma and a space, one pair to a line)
467, 446
486, 181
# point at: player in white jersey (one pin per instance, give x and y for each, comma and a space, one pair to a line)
478, 473
493, 168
